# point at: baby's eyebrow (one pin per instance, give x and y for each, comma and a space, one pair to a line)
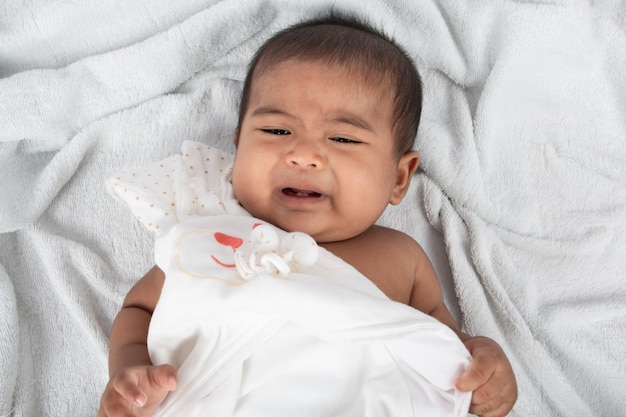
269, 110
343, 118
352, 120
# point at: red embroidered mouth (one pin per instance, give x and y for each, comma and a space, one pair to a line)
295, 192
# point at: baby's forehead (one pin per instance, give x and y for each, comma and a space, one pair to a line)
380, 81
366, 95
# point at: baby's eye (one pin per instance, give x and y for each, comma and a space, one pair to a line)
345, 140
277, 131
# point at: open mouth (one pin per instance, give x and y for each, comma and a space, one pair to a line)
295, 192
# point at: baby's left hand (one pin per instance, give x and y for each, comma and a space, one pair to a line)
490, 376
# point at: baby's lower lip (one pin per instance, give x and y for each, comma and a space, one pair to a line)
294, 192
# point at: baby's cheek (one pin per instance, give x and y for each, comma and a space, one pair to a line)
238, 181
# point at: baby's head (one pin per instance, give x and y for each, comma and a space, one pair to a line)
328, 117
351, 45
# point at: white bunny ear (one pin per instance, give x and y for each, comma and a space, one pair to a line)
264, 236
195, 182
153, 193
304, 248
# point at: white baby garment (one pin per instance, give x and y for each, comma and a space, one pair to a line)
261, 322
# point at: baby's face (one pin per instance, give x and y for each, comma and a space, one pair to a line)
315, 151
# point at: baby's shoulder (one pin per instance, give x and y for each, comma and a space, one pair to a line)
377, 241
391, 243
388, 234
386, 256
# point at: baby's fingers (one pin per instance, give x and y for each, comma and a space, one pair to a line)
137, 391
163, 377
490, 411
477, 373
115, 403
126, 384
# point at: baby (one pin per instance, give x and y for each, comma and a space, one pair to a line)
329, 112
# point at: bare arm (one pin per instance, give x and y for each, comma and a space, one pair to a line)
129, 335
136, 387
490, 375
426, 294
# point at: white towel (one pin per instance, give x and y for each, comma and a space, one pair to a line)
522, 174
525, 174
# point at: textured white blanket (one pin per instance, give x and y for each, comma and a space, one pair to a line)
521, 200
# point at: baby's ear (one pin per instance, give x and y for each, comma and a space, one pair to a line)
236, 137
406, 168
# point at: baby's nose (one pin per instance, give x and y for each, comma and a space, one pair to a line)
305, 154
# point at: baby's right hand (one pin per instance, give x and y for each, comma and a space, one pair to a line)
137, 391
